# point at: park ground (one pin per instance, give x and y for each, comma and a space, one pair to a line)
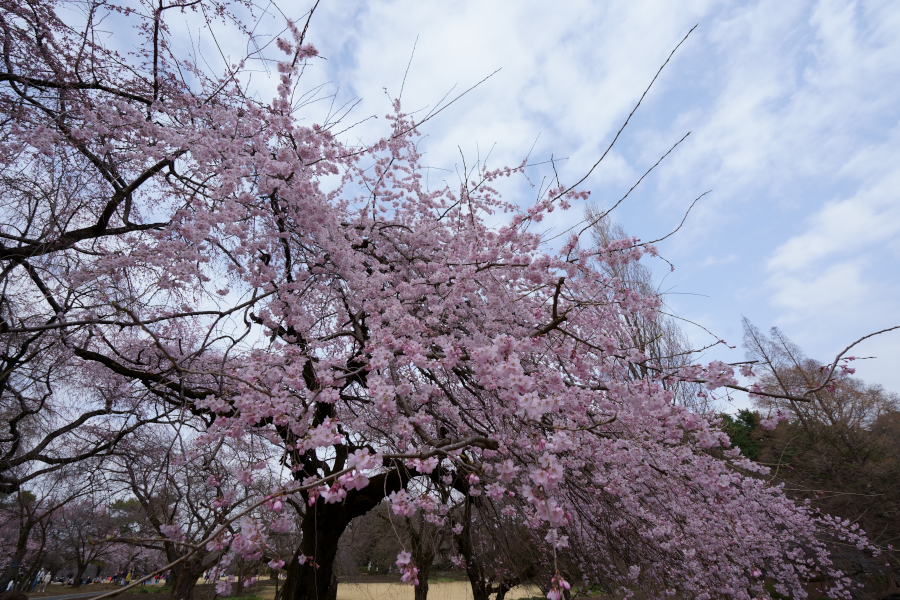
379, 590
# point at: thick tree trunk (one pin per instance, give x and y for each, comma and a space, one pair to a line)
9, 574
79, 573
186, 576
479, 591
314, 579
184, 587
322, 527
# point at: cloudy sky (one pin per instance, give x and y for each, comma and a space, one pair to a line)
792, 109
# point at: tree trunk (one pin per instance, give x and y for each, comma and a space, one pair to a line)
482, 587
424, 558
186, 576
473, 568
314, 579
321, 530
184, 587
32, 574
478, 588
9, 574
476, 579
79, 573
38, 559
422, 588
423, 555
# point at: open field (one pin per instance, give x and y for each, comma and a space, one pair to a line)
450, 590
438, 590
57, 589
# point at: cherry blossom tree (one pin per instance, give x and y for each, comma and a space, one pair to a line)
185, 494
427, 535
85, 529
30, 521
21, 514
101, 544
206, 254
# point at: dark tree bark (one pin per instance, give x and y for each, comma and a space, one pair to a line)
322, 527
79, 573
421, 591
186, 576
40, 555
9, 574
477, 579
423, 551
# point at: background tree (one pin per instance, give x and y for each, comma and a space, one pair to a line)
29, 519
83, 527
660, 338
186, 494
428, 536
370, 544
840, 451
489, 548
740, 428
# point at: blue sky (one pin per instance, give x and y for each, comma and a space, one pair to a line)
794, 114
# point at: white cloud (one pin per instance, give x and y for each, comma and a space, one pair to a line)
844, 228
714, 261
821, 292
570, 73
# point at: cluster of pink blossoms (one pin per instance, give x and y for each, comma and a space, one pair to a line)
409, 572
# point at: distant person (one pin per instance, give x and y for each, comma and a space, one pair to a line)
37, 580
47, 579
